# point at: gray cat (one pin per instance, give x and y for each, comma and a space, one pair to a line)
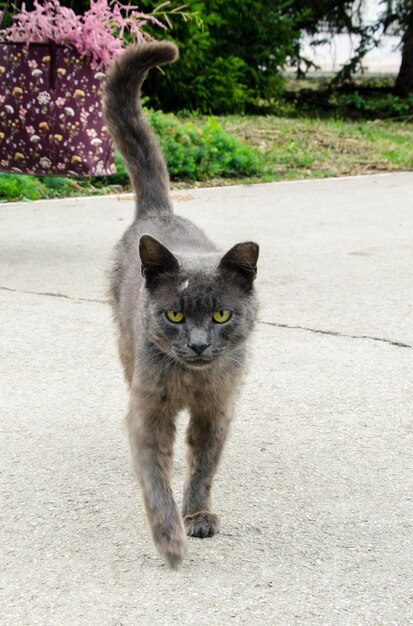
183, 312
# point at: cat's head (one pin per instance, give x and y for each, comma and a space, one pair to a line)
198, 308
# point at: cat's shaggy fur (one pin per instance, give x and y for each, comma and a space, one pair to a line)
166, 263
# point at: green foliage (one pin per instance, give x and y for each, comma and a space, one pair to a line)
56, 186
18, 187
230, 91
232, 62
368, 98
195, 150
381, 106
21, 187
200, 151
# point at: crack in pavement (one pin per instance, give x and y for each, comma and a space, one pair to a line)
332, 333
54, 295
335, 333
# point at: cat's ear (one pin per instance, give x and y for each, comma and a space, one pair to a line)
241, 261
157, 261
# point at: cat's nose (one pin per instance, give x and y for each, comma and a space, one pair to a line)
198, 346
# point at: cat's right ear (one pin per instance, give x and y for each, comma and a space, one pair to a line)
241, 261
157, 261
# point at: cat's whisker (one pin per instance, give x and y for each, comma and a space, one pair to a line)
230, 358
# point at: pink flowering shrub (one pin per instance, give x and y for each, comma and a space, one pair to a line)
98, 33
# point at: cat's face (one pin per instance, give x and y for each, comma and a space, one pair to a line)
198, 309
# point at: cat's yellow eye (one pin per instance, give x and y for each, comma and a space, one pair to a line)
220, 317
177, 317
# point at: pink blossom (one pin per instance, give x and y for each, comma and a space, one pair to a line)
60, 101
97, 34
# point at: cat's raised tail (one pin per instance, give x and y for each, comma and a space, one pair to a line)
131, 132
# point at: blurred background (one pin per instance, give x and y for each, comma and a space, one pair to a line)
296, 88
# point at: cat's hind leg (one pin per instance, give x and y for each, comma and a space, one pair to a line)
206, 436
151, 434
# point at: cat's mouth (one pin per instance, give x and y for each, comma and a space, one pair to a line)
198, 363
195, 362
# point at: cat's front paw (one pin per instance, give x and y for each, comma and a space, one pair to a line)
171, 544
201, 524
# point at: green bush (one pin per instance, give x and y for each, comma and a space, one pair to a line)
18, 187
232, 62
380, 106
21, 187
201, 151
369, 99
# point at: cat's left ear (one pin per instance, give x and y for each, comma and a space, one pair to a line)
242, 261
157, 261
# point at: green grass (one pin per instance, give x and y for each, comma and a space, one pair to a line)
313, 148
224, 150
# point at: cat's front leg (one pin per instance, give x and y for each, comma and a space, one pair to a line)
151, 435
206, 436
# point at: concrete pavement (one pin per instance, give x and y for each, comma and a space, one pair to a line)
315, 489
